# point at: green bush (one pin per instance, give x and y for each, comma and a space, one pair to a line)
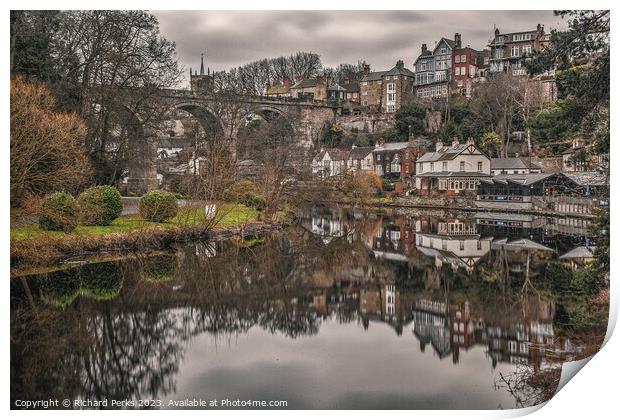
158, 206
257, 201
236, 193
100, 205
59, 212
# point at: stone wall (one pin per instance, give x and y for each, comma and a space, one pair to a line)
365, 123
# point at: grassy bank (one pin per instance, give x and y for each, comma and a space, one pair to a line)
32, 246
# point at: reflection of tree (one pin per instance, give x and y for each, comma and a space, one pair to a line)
530, 386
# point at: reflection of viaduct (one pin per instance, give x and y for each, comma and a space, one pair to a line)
222, 116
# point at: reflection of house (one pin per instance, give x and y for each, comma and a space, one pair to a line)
395, 240
452, 169
578, 257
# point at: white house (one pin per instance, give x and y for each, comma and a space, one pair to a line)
452, 169
360, 159
329, 162
515, 165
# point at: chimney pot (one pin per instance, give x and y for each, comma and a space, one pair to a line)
455, 142
438, 145
424, 48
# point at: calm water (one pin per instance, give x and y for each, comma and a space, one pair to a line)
350, 309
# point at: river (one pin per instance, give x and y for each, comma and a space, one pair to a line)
348, 309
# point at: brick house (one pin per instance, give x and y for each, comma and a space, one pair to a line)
509, 51
395, 160
467, 64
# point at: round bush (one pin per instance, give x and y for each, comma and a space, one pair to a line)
100, 205
158, 206
59, 212
236, 192
257, 201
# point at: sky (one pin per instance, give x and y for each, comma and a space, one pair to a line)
233, 38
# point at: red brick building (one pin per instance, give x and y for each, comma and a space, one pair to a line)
466, 65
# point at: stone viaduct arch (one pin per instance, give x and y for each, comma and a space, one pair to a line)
226, 115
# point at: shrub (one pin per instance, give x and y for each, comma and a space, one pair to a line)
158, 206
237, 191
100, 205
257, 201
59, 212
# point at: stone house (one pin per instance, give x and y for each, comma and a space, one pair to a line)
509, 51
452, 169
311, 89
397, 87
371, 90
279, 89
353, 91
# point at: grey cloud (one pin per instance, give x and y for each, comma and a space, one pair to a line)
380, 37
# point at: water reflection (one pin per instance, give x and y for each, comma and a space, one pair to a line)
407, 287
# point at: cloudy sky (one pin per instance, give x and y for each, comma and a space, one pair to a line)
379, 37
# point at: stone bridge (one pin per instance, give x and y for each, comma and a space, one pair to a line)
221, 115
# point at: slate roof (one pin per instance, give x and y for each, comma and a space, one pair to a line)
445, 153
590, 178
519, 244
396, 70
513, 163
334, 154
374, 76
579, 252
521, 179
392, 146
352, 87
304, 83
451, 174
358, 153
336, 87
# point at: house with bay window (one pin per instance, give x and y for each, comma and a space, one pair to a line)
451, 169
433, 68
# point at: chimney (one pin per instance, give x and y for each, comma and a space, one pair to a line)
400, 64
366, 69
471, 141
286, 82
457, 40
455, 142
438, 145
346, 81
496, 32
538, 27
424, 49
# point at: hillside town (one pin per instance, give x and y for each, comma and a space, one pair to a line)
427, 165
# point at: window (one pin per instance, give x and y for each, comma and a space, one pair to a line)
432, 166
462, 166
514, 51
479, 166
391, 108
527, 50
391, 97
365, 103
444, 166
457, 59
443, 51
463, 58
423, 66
